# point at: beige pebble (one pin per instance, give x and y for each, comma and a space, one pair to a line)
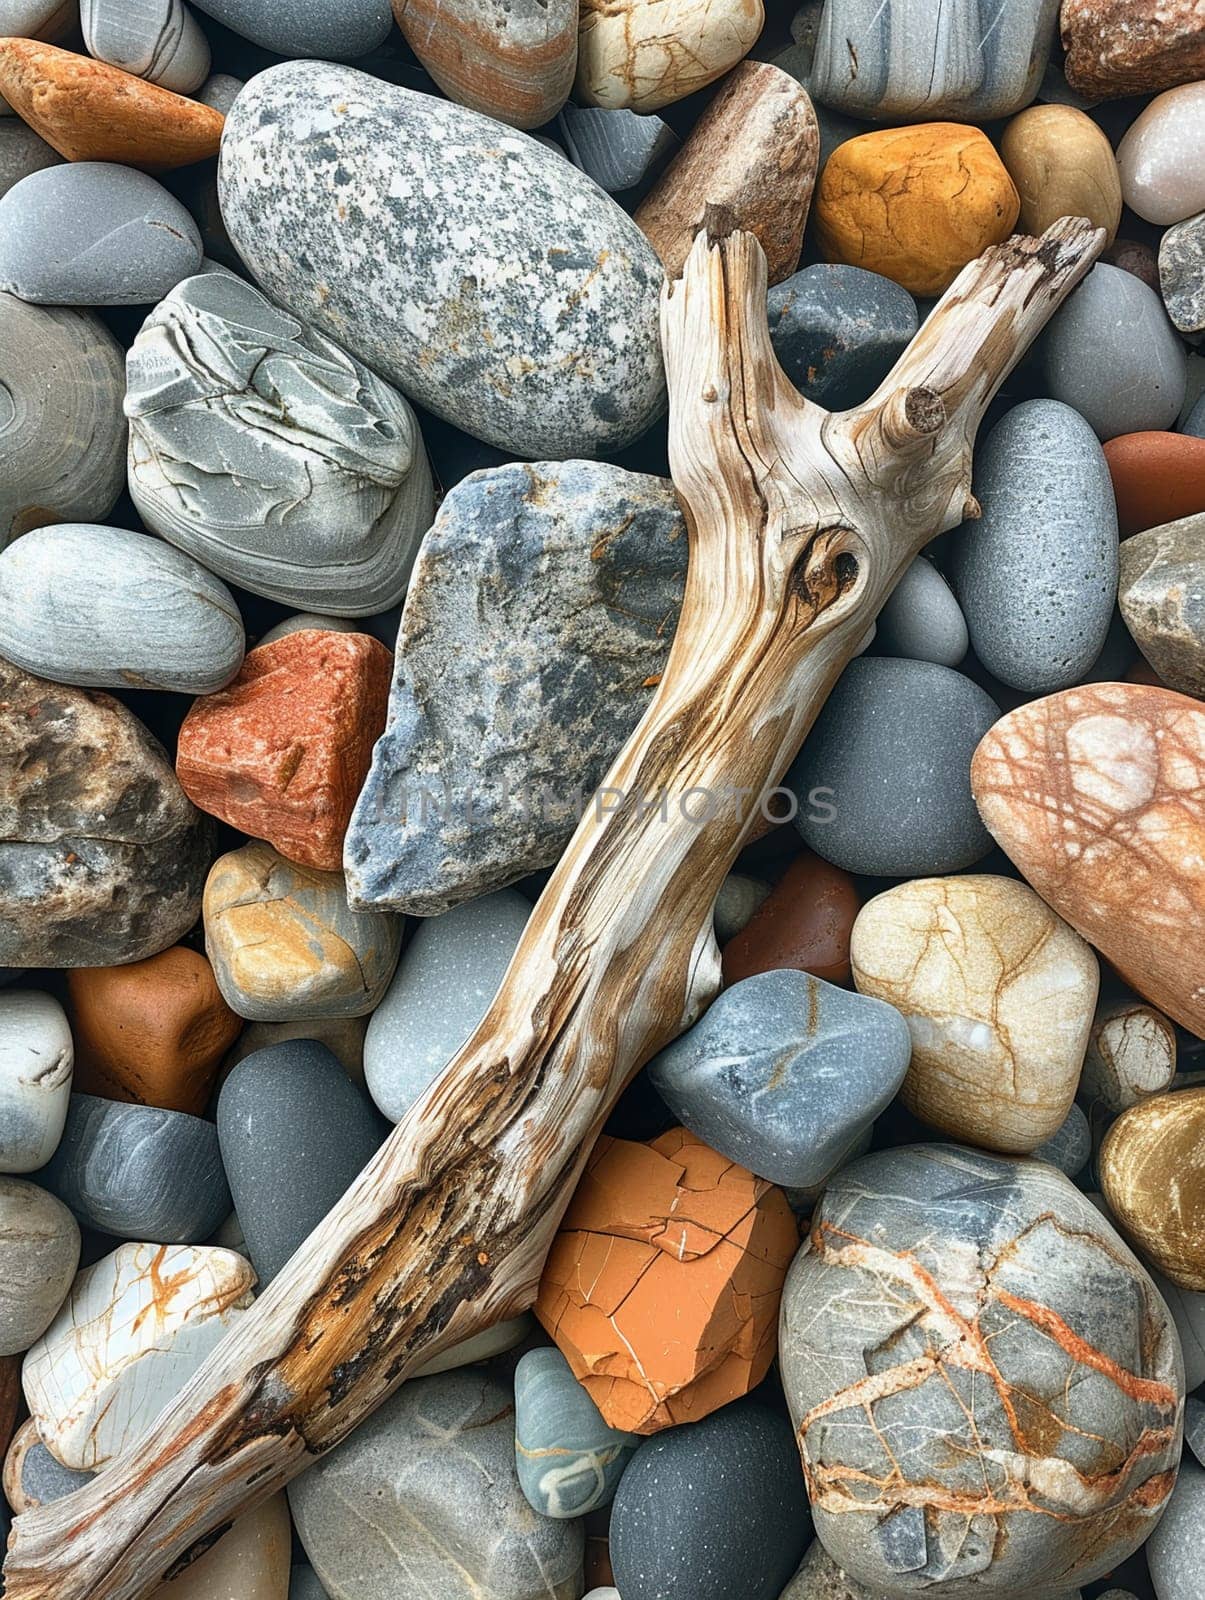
1162, 157
1063, 166
250, 1562
1131, 1054
645, 54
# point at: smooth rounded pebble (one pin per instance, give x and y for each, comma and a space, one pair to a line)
32, 1477
159, 40
837, 331
39, 1252
1176, 1550
36, 1057
307, 622
569, 1461
1162, 157
343, 31
22, 152
922, 620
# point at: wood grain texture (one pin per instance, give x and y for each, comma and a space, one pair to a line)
800, 524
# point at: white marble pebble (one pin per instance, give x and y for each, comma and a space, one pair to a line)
159, 40
1162, 157
36, 1064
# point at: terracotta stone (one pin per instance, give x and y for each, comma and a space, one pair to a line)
1131, 1055
282, 752
754, 151
915, 204
1118, 47
1136, 258
152, 1033
1098, 795
804, 923
90, 111
1152, 1172
645, 54
669, 1224
1063, 166
1157, 478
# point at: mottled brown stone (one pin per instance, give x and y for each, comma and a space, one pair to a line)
805, 923
1136, 258
1157, 478
1119, 47
1152, 1172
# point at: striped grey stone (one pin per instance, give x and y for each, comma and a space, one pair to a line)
159, 40
618, 149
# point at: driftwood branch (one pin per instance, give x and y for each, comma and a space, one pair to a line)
800, 524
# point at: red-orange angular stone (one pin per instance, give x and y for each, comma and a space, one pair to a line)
805, 923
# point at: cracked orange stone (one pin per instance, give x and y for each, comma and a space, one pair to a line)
282, 752
662, 1287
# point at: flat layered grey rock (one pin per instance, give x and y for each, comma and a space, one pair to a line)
539, 618
618, 149
110, 609
268, 453
159, 40
39, 1252
409, 229
1162, 599
37, 1059
342, 31
22, 152
922, 619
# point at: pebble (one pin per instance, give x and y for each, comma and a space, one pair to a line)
1157, 478
39, 1252
448, 974
1117, 48
439, 1507
285, 945
1188, 1313
739, 899
305, 1585
265, 451
882, 783
1162, 157
38, 19
837, 331
1131, 255
1162, 598
716, 1509
1176, 1549
804, 923
820, 1578
495, 1340
22, 152
36, 1057
998, 995
1131, 1054
342, 1036
305, 620
784, 1073
922, 620
342, 32
618, 149
295, 1132
110, 609
388, 282
1194, 1427
1063, 166
102, 857
510, 59
32, 1477
1152, 1172
568, 1460
159, 40
1069, 1147
249, 1562
219, 91
539, 618
1036, 575
932, 1273
642, 56
1182, 274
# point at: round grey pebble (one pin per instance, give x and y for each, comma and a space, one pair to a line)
44, 1480
1175, 1552
306, 621
342, 30
922, 620
837, 331
22, 152
219, 91
39, 1252
738, 899
568, 1460
1194, 1428
1070, 1147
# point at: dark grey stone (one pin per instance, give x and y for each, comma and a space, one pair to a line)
22, 152
304, 1585
618, 149
1182, 274
837, 331
568, 1460
1070, 1147
1175, 1551
738, 900
922, 620
341, 29
45, 1480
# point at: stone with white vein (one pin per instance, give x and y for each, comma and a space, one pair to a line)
36, 1063
159, 40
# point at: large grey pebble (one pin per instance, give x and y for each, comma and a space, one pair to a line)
1111, 354
479, 271
159, 40
22, 152
838, 330
1036, 574
883, 780
1175, 1552
922, 620
540, 614
40, 1479
439, 1510
784, 1072
568, 1460
91, 233
1182, 274
37, 1059
39, 1252
270, 454
107, 608
617, 148
342, 29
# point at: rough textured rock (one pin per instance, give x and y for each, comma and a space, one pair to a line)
1131, 1054
1152, 1171
159, 40
618, 149
1098, 795
250, 1561
432, 1473
32, 1477
837, 331
267, 452
1160, 158
306, 27
643, 56
1115, 47
39, 1252
984, 1382
568, 1460
666, 1222
1182, 273
539, 618
1063, 166
1177, 1547
820, 1578
514, 62
22, 151
102, 857
35, 1078
282, 753
922, 620
556, 267
1162, 598
804, 923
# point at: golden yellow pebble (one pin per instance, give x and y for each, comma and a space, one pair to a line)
1152, 1172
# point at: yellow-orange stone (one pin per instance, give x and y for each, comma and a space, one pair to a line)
662, 1287
1152, 1171
915, 204
1098, 795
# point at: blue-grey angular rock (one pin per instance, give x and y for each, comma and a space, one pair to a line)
713, 1509
159, 40
304, 1585
1112, 355
568, 1460
468, 264
922, 620
784, 1072
837, 331
540, 615
339, 29
618, 149
22, 152
110, 609
438, 1507
139, 1172
883, 780
1070, 1147
445, 980
294, 1132
1036, 574
1175, 1551
91, 233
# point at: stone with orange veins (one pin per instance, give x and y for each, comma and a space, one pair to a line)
662, 1287
1117, 47
915, 204
90, 111
1131, 1054
986, 1385
645, 54
1098, 795
1152, 1172
282, 752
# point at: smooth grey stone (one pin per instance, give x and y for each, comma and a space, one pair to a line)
39, 1252
305, 621
922, 620
1182, 274
159, 40
341, 29
783, 1073
62, 434
139, 1172
36, 19
568, 1460
1070, 1147
1036, 574
883, 781
1175, 1552
45, 1480
618, 149
1194, 422
295, 1131
477, 270
22, 152
37, 1059
438, 1507
1188, 1313
837, 331
917, 1258
270, 454
820, 1578
539, 617
738, 899
219, 91
91, 233
304, 1585
447, 976
1194, 1428
493, 1341
1112, 355
110, 609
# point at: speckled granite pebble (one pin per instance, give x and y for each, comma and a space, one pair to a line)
568, 1460
36, 1063
922, 620
838, 330
1182, 274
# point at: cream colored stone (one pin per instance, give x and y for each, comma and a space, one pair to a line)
645, 54
1063, 166
998, 994
1131, 1054
1162, 157
251, 1562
